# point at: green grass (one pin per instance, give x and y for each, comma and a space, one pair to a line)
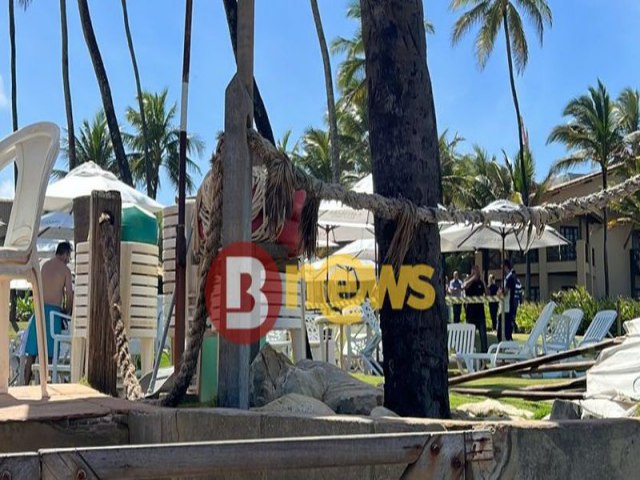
540, 409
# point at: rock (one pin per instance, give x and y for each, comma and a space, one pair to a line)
494, 409
311, 383
272, 375
264, 374
379, 412
565, 410
344, 393
294, 403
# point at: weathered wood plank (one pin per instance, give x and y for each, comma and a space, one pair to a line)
524, 394
535, 362
101, 367
23, 466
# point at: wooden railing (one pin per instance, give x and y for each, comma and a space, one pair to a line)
424, 456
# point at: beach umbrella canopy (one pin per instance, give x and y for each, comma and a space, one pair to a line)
500, 236
56, 225
89, 177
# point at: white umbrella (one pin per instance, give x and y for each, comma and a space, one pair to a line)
89, 177
56, 225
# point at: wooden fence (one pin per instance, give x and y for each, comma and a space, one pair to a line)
424, 455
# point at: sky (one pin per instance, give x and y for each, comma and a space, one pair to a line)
589, 39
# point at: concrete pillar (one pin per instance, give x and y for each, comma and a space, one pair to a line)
582, 266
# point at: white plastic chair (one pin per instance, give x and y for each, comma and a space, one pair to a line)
599, 327
461, 338
516, 351
61, 356
34, 150
564, 329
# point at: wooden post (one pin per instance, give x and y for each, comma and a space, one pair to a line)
102, 368
233, 383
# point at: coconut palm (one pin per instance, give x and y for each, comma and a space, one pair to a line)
71, 154
331, 103
164, 141
315, 157
105, 92
454, 177
92, 144
491, 16
487, 180
143, 120
593, 135
351, 72
629, 108
536, 189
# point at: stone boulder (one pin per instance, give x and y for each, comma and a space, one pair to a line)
299, 404
381, 412
494, 410
565, 410
272, 376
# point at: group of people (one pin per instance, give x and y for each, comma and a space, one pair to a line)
474, 286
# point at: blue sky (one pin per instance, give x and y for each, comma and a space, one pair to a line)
589, 39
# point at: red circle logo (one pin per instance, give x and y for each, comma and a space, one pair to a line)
243, 293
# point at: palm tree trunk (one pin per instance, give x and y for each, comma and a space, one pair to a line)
71, 132
105, 92
605, 232
143, 121
523, 173
404, 149
14, 81
331, 103
260, 115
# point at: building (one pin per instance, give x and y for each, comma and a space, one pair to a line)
581, 263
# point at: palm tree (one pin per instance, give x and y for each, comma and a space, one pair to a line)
92, 144
314, 157
593, 135
454, 178
331, 103
487, 180
71, 154
351, 72
406, 163
629, 107
164, 140
491, 15
536, 189
105, 92
136, 74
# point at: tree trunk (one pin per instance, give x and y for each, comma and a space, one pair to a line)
71, 132
105, 92
605, 232
147, 159
331, 102
14, 80
404, 149
260, 115
523, 173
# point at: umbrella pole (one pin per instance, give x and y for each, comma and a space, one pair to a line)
181, 254
504, 283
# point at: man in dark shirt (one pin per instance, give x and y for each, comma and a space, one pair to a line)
510, 301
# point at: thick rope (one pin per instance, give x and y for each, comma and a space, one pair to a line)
197, 329
123, 358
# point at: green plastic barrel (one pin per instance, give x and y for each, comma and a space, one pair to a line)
138, 225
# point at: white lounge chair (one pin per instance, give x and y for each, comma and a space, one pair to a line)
505, 352
564, 329
599, 327
461, 338
34, 150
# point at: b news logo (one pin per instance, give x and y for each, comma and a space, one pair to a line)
244, 293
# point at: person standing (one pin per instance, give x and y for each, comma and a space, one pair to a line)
57, 290
492, 289
510, 301
474, 287
455, 290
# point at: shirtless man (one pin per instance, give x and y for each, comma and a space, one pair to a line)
57, 291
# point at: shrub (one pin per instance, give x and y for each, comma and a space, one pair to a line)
528, 313
24, 308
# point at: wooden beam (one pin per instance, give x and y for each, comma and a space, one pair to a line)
102, 368
81, 222
577, 383
563, 367
526, 395
534, 362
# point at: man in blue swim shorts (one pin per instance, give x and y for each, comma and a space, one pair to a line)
57, 291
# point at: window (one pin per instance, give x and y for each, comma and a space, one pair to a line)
566, 252
535, 294
519, 257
